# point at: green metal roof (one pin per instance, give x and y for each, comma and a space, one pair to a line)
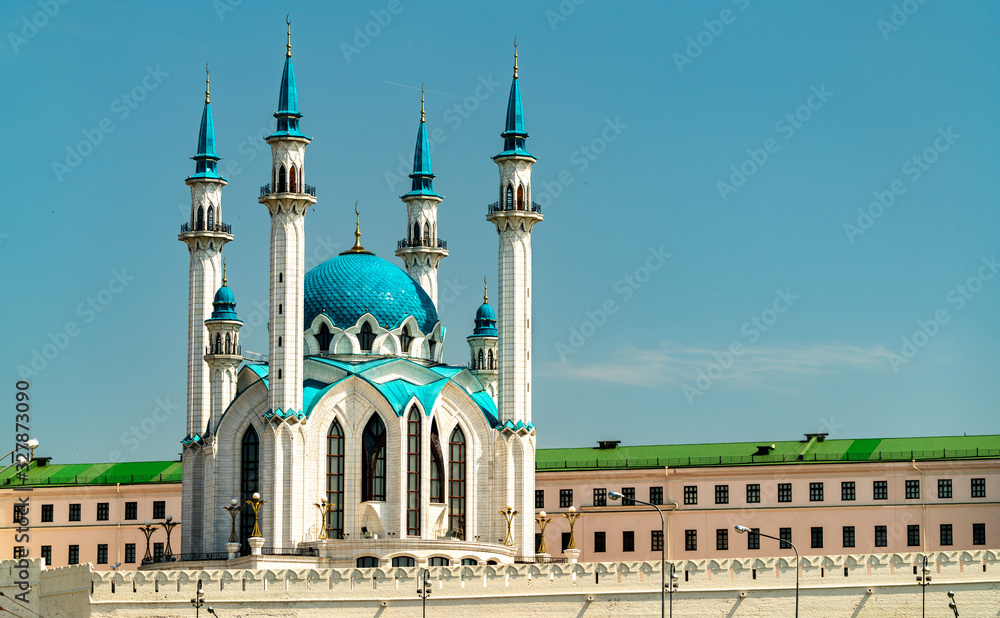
130, 473
787, 452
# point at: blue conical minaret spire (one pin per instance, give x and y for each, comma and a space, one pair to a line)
288, 98
206, 161
422, 177
514, 134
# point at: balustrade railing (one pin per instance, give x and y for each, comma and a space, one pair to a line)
268, 189
496, 207
198, 226
237, 351
422, 242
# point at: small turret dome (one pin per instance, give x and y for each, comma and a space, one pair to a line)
224, 304
486, 318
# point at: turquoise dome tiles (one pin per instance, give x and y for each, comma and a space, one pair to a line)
351, 284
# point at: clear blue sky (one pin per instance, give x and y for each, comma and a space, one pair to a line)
642, 116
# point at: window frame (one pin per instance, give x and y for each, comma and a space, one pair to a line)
753, 493
600, 541
947, 535
159, 509
945, 489
600, 496
48, 513
881, 536
74, 512
722, 539
628, 496
753, 539
690, 540
539, 498
816, 493
565, 498
912, 489
913, 535
784, 492
848, 491
103, 511
131, 511
628, 541
690, 494
816, 537
849, 536
722, 494
978, 488
656, 540
656, 494
979, 533
880, 490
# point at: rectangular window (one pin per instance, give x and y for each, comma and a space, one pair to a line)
913, 535
539, 498
978, 488
817, 537
18, 552
722, 494
753, 538
129, 553
629, 493
815, 492
131, 510
690, 540
944, 488
600, 542
565, 541
74, 555
946, 535
656, 540
979, 534
103, 511
881, 536
157, 551
74, 513
656, 495
848, 536
47, 554
913, 490
690, 494
784, 492
628, 540
785, 535
19, 513
722, 539
47, 512
159, 509
880, 490
102, 554
600, 496
847, 490
753, 493
565, 498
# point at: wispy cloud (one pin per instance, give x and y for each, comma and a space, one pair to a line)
671, 365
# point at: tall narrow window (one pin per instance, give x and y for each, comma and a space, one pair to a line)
366, 338
489, 359
427, 234
324, 338
291, 179
229, 344
415, 239
249, 483
335, 481
200, 223
437, 466
456, 483
281, 179
520, 197
509, 204
211, 218
413, 472
218, 343
480, 364
405, 339
373, 460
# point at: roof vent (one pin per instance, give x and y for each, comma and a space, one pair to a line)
764, 449
606, 444
41, 462
819, 437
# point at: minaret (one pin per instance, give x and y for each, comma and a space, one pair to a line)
287, 198
421, 250
223, 353
205, 235
515, 215
483, 346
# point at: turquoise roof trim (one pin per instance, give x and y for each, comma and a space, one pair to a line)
349, 285
206, 161
514, 134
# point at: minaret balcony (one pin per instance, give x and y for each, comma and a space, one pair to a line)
422, 242
235, 351
199, 226
269, 189
496, 207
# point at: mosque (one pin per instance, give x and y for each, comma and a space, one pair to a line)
362, 444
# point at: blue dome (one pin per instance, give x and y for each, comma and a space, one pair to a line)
351, 284
486, 322
224, 305
224, 295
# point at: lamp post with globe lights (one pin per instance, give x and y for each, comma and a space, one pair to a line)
617, 495
169, 525
745, 529
148, 530
952, 604
923, 579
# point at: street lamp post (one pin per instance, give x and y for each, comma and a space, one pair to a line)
148, 530
508, 514
615, 495
424, 589
234, 510
744, 530
672, 587
169, 525
324, 508
952, 604
542, 521
198, 600
923, 579
32, 444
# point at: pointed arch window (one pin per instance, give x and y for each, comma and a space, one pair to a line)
335, 481
413, 472
211, 217
427, 234
218, 344
416, 233
373, 460
437, 466
489, 357
291, 180
324, 338
249, 482
229, 344
366, 338
509, 204
480, 364
520, 197
281, 179
200, 223
405, 339
456, 484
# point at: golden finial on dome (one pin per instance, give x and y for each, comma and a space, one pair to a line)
486, 297
515, 57
288, 54
206, 83
223, 273
421, 102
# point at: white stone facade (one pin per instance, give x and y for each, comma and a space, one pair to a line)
421, 252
